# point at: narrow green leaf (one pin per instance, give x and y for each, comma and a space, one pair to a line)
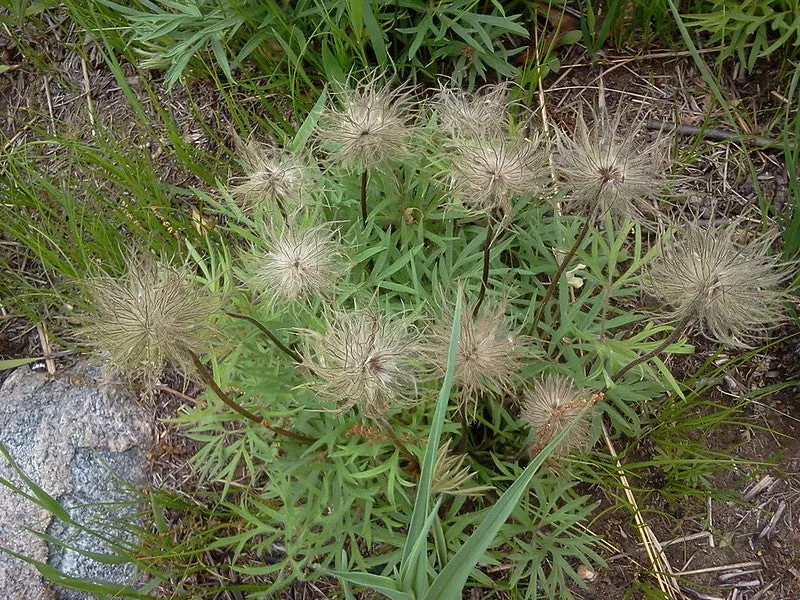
307, 128
420, 548
379, 583
43, 499
375, 35
449, 583
99, 557
55, 576
13, 363
422, 500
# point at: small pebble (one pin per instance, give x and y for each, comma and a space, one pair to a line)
586, 573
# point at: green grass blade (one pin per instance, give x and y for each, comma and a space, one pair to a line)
55, 576
307, 128
791, 152
698, 60
422, 501
419, 550
449, 583
42, 498
385, 585
375, 35
13, 363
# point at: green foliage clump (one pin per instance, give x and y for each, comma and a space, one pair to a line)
751, 29
472, 39
416, 342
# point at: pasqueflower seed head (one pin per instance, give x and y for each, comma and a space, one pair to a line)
299, 263
365, 359
489, 355
550, 407
371, 125
273, 178
473, 116
488, 174
730, 290
608, 170
151, 316
450, 475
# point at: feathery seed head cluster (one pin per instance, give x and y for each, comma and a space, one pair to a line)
607, 170
371, 127
365, 359
479, 116
730, 289
488, 174
550, 407
152, 315
300, 262
450, 474
273, 177
489, 355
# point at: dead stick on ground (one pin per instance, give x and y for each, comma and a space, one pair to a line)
741, 565
661, 569
717, 135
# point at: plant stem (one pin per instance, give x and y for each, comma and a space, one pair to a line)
485, 275
389, 430
670, 339
561, 268
208, 379
272, 337
461, 412
364, 177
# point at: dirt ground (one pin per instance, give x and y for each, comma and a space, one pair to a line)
743, 548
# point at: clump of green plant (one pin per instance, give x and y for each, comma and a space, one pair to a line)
472, 39
382, 305
751, 29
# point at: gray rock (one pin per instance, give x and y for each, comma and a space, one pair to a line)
79, 440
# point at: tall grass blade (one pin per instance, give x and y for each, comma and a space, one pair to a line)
422, 501
42, 498
449, 583
791, 153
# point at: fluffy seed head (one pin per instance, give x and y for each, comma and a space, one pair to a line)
488, 174
365, 359
607, 169
550, 407
478, 116
152, 315
300, 262
370, 127
488, 357
730, 289
450, 474
273, 178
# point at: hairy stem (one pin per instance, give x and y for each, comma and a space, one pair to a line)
561, 268
670, 339
208, 379
364, 178
485, 275
272, 337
